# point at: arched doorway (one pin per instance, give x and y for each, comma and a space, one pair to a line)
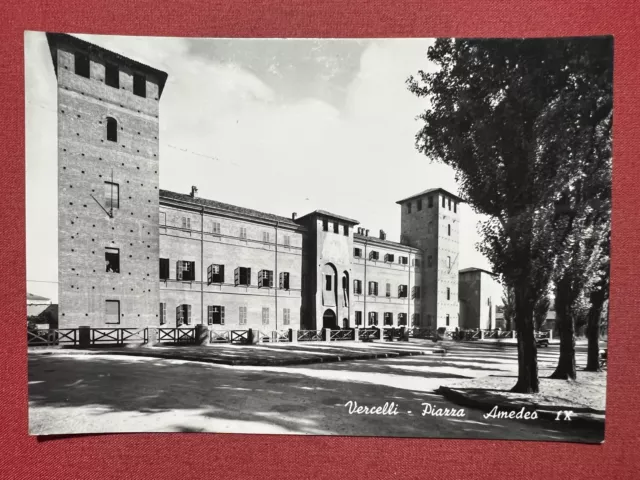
329, 319
345, 323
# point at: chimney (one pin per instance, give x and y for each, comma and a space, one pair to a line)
383, 236
366, 232
294, 215
194, 192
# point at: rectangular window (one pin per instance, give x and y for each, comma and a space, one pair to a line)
162, 218
449, 203
328, 282
455, 207
139, 85
430, 201
388, 318
82, 65
242, 315
183, 315
409, 207
215, 274
357, 252
345, 230
373, 255
242, 276
163, 313
402, 291
444, 202
286, 316
265, 315
373, 318
358, 318
357, 287
415, 292
419, 204
265, 237
403, 260
111, 195
325, 225
284, 280
388, 292
164, 269
447, 320
112, 311
112, 259
336, 227
111, 75
402, 319
243, 233
265, 278
373, 288
448, 293
215, 228
186, 270
186, 223
215, 315
389, 257
287, 241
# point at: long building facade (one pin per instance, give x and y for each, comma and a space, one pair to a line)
132, 255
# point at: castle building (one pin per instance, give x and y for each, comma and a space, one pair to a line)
131, 255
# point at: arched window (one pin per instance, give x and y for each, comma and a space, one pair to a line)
112, 129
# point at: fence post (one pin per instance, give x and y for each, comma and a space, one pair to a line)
326, 334
550, 334
84, 337
356, 334
481, 334
152, 336
250, 336
513, 334
202, 334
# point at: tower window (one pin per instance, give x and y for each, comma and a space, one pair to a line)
430, 201
112, 129
111, 195
346, 230
419, 204
112, 75
444, 202
449, 204
139, 85
447, 318
325, 225
112, 259
448, 293
82, 65
455, 207
409, 207
449, 229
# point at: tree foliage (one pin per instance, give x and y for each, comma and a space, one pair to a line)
510, 117
540, 311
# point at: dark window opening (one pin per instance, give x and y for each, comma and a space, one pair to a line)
455, 207
415, 292
336, 227
112, 75
265, 278
430, 201
388, 318
358, 318
164, 269
373, 255
112, 129
139, 85
328, 281
284, 280
447, 318
112, 259
242, 276
402, 319
325, 225
389, 257
357, 252
449, 203
215, 274
111, 195
346, 230
448, 293
112, 311
402, 291
186, 271
419, 204
82, 65
215, 315
449, 229
183, 315
444, 201
409, 207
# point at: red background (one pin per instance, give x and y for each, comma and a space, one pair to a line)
165, 456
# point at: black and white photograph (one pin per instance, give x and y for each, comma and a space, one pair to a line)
356, 237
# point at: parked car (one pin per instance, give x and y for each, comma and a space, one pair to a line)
542, 342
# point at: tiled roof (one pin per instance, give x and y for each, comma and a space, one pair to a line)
180, 197
362, 238
431, 190
331, 215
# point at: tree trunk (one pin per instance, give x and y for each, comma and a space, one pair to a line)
527, 351
593, 330
566, 369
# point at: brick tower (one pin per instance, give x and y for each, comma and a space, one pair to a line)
108, 240
430, 221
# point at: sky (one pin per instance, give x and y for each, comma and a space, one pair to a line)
277, 125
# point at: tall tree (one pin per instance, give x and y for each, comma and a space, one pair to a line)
509, 307
492, 117
598, 296
540, 312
